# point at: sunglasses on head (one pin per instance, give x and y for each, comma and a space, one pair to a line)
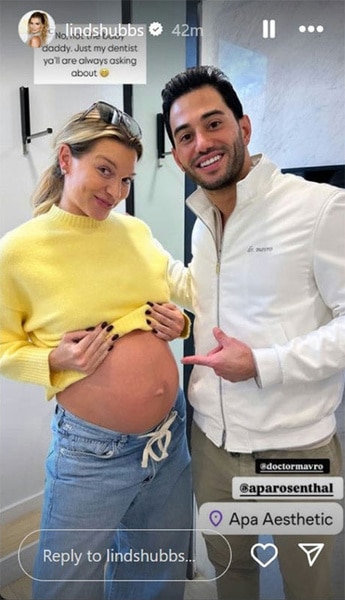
114, 116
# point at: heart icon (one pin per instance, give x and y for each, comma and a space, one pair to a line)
271, 557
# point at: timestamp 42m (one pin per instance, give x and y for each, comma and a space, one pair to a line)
185, 30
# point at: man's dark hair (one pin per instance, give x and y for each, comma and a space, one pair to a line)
192, 79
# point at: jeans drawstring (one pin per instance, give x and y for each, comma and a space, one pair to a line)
161, 435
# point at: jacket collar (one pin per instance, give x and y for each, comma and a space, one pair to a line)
258, 178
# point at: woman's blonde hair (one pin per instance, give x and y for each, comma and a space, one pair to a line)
80, 134
45, 24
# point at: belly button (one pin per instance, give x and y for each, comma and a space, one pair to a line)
159, 392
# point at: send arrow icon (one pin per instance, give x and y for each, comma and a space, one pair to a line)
312, 551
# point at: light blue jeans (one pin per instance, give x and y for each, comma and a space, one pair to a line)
102, 510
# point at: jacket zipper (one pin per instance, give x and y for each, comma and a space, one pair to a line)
219, 246
218, 242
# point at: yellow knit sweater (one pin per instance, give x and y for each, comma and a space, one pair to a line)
62, 272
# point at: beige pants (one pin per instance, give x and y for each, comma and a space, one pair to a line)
213, 469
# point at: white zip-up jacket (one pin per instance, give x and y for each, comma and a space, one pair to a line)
274, 279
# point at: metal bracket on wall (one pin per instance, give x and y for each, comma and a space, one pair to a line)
160, 139
27, 136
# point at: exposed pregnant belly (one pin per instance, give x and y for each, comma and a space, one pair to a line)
132, 390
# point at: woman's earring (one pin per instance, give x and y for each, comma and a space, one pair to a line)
63, 171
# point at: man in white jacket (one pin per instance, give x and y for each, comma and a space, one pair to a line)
268, 282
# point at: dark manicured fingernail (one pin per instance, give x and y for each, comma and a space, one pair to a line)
104, 324
110, 348
154, 330
147, 312
115, 337
90, 329
149, 303
148, 321
110, 327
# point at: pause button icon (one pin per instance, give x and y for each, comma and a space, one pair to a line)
268, 28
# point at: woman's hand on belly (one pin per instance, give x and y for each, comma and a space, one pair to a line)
166, 320
82, 350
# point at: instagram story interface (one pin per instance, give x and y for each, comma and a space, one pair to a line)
172, 300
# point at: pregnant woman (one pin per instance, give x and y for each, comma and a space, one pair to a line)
86, 312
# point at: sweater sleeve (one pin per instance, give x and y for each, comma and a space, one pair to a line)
20, 359
179, 280
24, 361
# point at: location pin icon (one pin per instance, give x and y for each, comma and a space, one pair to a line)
215, 517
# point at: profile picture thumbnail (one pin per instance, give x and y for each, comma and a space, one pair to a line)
36, 28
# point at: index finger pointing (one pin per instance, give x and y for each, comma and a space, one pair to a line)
196, 360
